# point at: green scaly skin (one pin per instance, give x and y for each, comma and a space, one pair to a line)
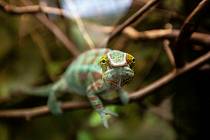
93, 73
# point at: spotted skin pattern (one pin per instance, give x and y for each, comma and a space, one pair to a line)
94, 72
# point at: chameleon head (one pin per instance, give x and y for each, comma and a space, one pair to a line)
118, 68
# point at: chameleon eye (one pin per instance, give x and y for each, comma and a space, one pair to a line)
130, 60
103, 61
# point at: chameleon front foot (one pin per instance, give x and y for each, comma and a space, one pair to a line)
123, 96
103, 114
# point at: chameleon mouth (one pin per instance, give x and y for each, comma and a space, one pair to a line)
118, 76
118, 83
118, 71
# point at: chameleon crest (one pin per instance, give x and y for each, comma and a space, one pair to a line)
117, 58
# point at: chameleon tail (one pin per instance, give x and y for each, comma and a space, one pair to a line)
39, 91
51, 91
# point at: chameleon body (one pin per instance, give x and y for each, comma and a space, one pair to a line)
92, 74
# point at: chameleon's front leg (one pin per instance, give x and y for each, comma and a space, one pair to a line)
123, 96
93, 89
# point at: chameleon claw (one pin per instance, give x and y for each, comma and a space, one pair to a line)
103, 114
108, 112
104, 120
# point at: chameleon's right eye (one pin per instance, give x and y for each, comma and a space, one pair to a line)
103, 61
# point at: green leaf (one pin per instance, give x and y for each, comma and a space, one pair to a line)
84, 135
94, 119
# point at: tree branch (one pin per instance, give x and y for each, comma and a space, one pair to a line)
186, 31
39, 111
56, 31
169, 77
156, 34
30, 9
134, 97
36, 9
129, 31
58, 34
169, 52
132, 19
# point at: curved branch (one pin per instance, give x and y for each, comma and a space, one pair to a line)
186, 31
169, 77
132, 19
29, 113
30, 9
155, 34
35, 9
134, 97
68, 44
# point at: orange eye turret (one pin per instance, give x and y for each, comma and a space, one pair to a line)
104, 62
130, 60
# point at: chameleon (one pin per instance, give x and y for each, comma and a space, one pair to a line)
91, 74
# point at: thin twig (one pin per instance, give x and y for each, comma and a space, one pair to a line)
169, 77
186, 31
81, 25
134, 97
30, 9
56, 31
132, 19
34, 9
202, 38
155, 34
169, 52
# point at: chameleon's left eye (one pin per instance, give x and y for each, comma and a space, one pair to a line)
130, 60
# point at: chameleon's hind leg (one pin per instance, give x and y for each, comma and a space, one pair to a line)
53, 103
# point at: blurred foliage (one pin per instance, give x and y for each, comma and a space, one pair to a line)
31, 56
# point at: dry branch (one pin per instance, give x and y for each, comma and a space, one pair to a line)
68, 44
30, 9
186, 31
56, 31
156, 34
132, 18
36, 9
169, 52
202, 38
